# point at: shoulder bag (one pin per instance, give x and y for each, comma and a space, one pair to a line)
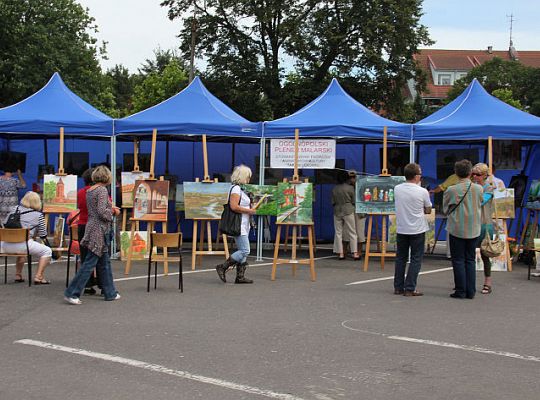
231, 222
495, 247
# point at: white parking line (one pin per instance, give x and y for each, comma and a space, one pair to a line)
387, 278
160, 369
476, 349
200, 270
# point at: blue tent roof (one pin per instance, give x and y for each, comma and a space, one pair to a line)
52, 107
475, 115
336, 114
193, 111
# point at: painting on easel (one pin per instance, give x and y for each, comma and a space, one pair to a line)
429, 237
504, 201
375, 194
59, 193
151, 200
263, 198
179, 198
205, 200
128, 180
294, 203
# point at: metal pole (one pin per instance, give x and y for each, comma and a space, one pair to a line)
113, 190
260, 219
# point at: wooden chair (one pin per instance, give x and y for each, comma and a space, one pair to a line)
73, 237
165, 241
16, 236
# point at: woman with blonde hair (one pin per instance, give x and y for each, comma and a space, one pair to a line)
97, 237
239, 202
32, 218
480, 175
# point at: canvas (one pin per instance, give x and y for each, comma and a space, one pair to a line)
151, 200
430, 234
375, 194
504, 201
294, 203
263, 198
58, 234
127, 185
179, 199
59, 193
140, 245
205, 200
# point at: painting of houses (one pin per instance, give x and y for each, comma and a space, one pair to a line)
205, 200
140, 245
294, 203
127, 181
151, 200
59, 193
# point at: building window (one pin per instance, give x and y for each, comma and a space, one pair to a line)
444, 79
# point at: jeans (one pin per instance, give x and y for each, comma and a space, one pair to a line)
92, 281
242, 245
463, 253
91, 261
404, 243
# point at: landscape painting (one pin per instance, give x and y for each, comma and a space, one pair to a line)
504, 201
263, 198
179, 199
375, 194
294, 203
151, 200
140, 245
205, 200
59, 193
127, 182
429, 237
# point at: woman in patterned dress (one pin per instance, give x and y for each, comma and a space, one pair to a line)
9, 196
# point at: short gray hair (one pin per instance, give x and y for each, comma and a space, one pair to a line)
241, 174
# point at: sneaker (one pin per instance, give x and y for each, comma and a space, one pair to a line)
73, 300
117, 297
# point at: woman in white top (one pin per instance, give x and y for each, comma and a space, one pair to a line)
32, 218
239, 202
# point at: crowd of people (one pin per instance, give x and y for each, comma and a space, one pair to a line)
467, 204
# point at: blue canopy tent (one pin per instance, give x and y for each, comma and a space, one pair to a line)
475, 115
336, 114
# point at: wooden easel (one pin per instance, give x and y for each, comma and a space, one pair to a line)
205, 223
382, 253
150, 224
135, 169
295, 228
59, 173
504, 220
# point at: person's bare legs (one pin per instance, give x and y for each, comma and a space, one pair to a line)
19, 264
43, 263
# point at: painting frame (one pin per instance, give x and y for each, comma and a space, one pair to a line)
151, 200
59, 193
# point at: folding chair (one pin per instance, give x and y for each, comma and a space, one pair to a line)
73, 237
165, 241
16, 236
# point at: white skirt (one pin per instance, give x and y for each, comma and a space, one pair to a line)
36, 249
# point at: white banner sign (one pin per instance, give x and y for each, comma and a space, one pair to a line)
312, 153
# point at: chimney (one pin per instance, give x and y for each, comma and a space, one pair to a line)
490, 49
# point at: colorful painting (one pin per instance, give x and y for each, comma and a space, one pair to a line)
151, 200
375, 194
504, 201
294, 203
59, 193
179, 199
58, 234
140, 245
430, 234
128, 184
263, 198
499, 263
205, 200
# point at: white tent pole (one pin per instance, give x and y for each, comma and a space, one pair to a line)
113, 188
260, 224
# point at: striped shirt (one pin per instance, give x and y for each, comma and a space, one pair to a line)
465, 221
33, 220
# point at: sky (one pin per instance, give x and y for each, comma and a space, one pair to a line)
135, 28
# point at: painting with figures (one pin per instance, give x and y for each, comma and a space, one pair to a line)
375, 194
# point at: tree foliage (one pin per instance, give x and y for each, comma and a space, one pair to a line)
510, 81
39, 38
250, 47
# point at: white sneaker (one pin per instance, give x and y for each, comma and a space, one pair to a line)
117, 297
73, 300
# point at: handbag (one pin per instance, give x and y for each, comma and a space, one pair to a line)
231, 222
14, 219
492, 247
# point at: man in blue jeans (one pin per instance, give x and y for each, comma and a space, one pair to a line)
412, 203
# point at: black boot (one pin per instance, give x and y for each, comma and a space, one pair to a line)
223, 268
240, 271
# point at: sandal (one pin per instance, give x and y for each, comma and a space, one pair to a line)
41, 282
19, 280
486, 289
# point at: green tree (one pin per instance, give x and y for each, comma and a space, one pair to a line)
157, 87
49, 190
39, 38
506, 95
122, 85
368, 43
